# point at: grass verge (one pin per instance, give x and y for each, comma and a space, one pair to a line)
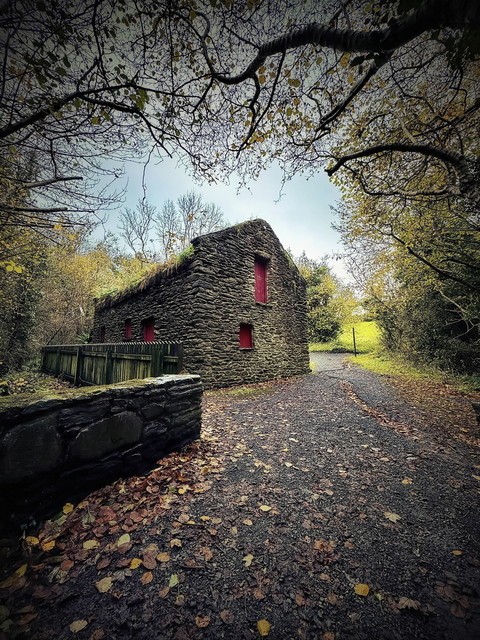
367, 338
391, 365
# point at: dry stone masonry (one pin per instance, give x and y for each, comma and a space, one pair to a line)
62, 447
210, 303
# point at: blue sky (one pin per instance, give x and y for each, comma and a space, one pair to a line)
301, 217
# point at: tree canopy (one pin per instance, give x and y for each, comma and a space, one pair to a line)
385, 91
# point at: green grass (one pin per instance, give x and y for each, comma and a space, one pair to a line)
395, 365
367, 336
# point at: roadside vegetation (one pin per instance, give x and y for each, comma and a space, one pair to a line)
372, 355
367, 338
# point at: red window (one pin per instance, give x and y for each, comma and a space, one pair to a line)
260, 280
149, 330
102, 334
128, 329
246, 336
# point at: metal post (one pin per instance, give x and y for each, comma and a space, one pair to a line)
354, 342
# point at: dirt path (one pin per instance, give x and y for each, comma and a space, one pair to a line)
300, 497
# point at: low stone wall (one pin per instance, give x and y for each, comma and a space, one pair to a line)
62, 447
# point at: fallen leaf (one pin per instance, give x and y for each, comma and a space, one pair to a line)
457, 610
66, 564
32, 540
21, 570
206, 552
134, 563
149, 562
67, 508
263, 627
393, 517
361, 589
173, 580
288, 464
163, 593
175, 542
227, 616
445, 592
26, 619
180, 600
183, 518
78, 625
324, 545
98, 634
202, 621
328, 635
105, 584
265, 508
147, 577
248, 559
103, 563
476, 477
125, 539
247, 522
457, 552
48, 546
300, 600
258, 594
407, 481
163, 557
408, 603
332, 598
91, 544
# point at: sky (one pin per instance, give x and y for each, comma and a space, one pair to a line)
300, 216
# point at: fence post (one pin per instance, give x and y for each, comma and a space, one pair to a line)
78, 363
156, 363
57, 364
179, 357
108, 367
354, 342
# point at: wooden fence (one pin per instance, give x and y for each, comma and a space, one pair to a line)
92, 364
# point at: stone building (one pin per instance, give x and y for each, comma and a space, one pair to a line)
236, 302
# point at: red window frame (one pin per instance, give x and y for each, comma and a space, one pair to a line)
148, 330
245, 336
128, 329
261, 270
103, 334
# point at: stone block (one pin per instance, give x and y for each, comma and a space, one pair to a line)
106, 435
85, 413
153, 410
30, 449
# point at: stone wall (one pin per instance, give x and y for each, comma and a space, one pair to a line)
60, 448
204, 300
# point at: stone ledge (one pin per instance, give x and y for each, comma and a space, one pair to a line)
57, 448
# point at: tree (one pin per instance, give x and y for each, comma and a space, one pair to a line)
329, 302
136, 228
421, 274
177, 224
154, 236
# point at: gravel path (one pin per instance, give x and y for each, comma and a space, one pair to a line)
301, 494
